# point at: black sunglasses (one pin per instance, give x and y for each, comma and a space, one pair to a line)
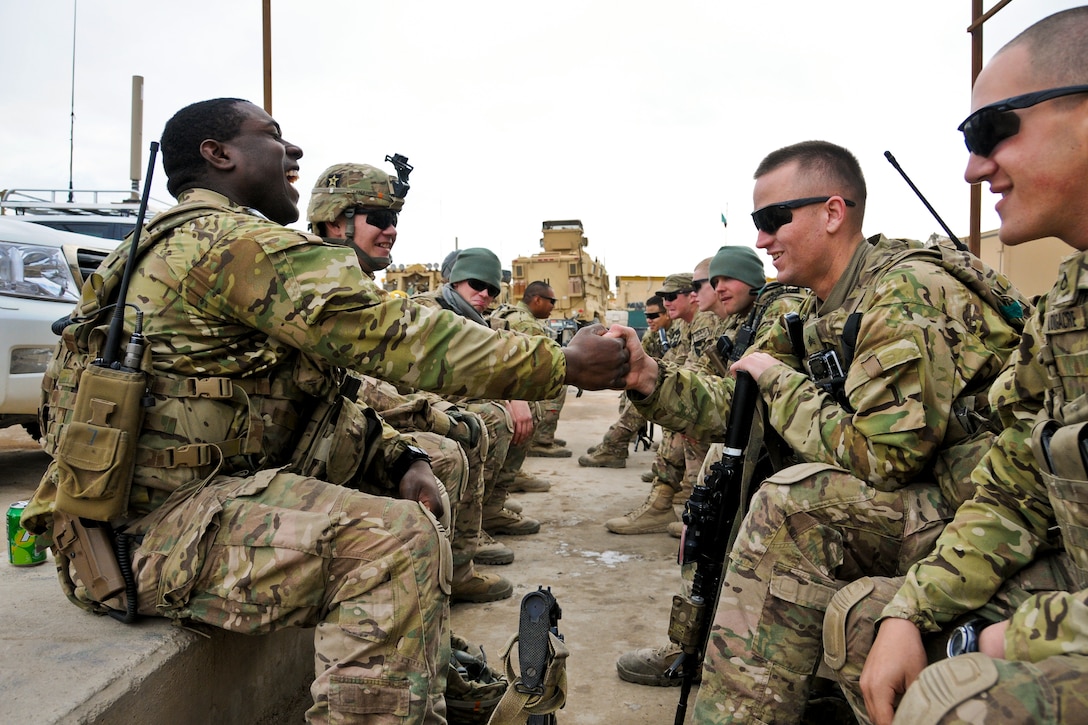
671, 296
380, 218
773, 216
482, 286
549, 299
697, 284
652, 315
984, 129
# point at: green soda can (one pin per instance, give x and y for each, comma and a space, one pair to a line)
22, 545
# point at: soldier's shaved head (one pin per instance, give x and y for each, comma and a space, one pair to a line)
1058, 45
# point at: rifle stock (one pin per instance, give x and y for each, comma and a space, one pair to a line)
709, 516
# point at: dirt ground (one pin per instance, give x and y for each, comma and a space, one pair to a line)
614, 591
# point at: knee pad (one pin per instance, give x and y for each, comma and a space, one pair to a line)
945, 685
835, 620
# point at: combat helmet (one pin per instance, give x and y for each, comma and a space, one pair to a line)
343, 187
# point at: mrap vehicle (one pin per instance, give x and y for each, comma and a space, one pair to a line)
580, 282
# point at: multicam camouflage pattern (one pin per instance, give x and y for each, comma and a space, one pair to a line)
449, 443
343, 186
519, 317
925, 340
550, 410
366, 571
450, 466
618, 437
505, 457
237, 298
1010, 524
546, 413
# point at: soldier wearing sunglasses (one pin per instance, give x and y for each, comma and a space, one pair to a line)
474, 284
357, 205
1016, 552
882, 453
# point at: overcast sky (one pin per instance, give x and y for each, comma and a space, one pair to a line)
643, 119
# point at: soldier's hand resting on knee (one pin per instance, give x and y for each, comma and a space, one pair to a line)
418, 484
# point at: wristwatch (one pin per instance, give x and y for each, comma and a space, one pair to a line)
964, 638
410, 455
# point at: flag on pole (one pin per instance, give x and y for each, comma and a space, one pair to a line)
724, 223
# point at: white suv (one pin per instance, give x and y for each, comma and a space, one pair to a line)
41, 272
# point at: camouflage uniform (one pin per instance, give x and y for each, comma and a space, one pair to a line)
865, 503
648, 665
435, 425
1003, 554
618, 437
503, 457
545, 413
679, 456
232, 538
707, 327
668, 465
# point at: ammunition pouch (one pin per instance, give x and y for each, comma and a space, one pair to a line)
96, 453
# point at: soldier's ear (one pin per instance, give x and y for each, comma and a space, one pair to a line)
216, 154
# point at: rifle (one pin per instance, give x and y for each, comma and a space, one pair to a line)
709, 516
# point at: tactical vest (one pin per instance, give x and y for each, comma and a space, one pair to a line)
970, 428
1060, 438
193, 427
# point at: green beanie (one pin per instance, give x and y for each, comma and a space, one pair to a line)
477, 263
738, 263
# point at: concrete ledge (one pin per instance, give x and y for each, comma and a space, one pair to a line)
59, 664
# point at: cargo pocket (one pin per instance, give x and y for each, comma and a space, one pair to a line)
1069, 499
368, 696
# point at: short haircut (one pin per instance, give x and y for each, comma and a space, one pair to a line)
1058, 46
536, 289
833, 163
704, 266
219, 119
655, 301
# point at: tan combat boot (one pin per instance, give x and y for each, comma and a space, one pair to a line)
603, 458
652, 517
479, 587
648, 476
647, 666
510, 523
526, 483
553, 450
490, 551
676, 529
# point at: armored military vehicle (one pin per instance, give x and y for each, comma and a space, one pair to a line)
412, 279
580, 282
